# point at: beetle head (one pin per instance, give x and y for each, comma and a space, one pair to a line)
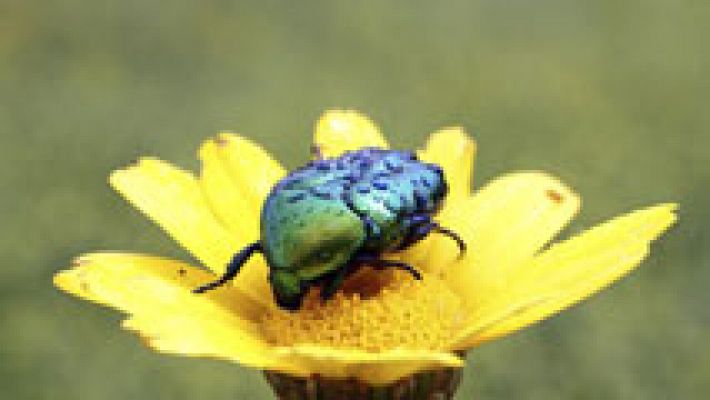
288, 289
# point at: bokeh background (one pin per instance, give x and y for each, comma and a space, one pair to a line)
612, 96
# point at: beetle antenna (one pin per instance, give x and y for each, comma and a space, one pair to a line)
232, 268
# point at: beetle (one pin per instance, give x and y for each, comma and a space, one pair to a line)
323, 221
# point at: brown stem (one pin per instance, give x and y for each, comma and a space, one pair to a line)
438, 384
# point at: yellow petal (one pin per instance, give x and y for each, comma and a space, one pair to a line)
236, 177
230, 201
174, 200
573, 270
156, 293
253, 170
338, 131
374, 368
483, 319
454, 151
503, 224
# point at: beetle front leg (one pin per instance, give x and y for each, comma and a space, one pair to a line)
332, 283
379, 263
232, 269
453, 235
422, 225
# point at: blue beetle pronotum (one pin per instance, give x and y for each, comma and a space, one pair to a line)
325, 220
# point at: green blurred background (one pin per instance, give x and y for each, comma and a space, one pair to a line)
612, 96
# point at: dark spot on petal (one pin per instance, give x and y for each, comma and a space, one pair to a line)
221, 141
316, 150
554, 195
146, 340
182, 272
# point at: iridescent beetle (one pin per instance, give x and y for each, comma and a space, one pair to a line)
325, 220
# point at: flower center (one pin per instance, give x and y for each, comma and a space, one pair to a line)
375, 311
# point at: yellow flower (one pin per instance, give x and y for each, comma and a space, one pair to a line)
384, 325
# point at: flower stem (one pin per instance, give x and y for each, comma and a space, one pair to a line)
438, 384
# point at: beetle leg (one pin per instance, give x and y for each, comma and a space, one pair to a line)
422, 225
332, 283
453, 235
397, 264
232, 268
381, 264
